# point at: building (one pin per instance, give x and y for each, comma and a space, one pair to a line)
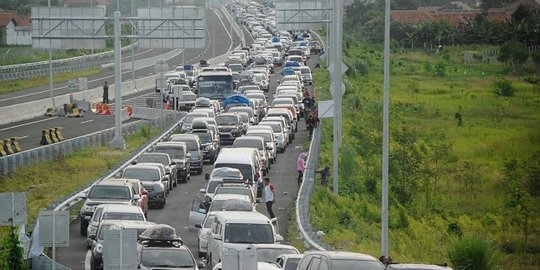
16, 30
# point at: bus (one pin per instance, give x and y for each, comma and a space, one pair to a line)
215, 85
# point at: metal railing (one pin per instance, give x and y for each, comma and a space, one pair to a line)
35, 69
43, 262
303, 223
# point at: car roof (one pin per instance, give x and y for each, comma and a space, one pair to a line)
343, 255
228, 196
154, 154
243, 216
122, 208
181, 144
147, 166
111, 182
249, 138
184, 136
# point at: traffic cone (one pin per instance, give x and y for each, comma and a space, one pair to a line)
168, 105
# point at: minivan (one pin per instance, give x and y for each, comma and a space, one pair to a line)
194, 147
242, 160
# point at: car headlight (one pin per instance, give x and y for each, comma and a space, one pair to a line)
99, 248
89, 208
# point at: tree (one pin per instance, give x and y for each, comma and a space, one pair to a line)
503, 88
513, 52
11, 253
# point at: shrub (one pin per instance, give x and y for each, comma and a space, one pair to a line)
536, 57
473, 254
11, 253
440, 69
503, 87
513, 52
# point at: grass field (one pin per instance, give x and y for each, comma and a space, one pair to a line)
17, 85
12, 55
448, 180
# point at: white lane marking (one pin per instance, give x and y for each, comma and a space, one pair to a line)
87, 121
87, 260
29, 123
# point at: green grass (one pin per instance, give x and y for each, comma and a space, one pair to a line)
17, 85
48, 181
12, 55
466, 193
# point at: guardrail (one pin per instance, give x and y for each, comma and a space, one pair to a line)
303, 223
14, 161
43, 262
35, 69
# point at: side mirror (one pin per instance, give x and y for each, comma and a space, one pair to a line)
202, 190
279, 238
172, 163
202, 210
83, 195
188, 155
198, 226
92, 237
133, 162
136, 197
118, 175
201, 265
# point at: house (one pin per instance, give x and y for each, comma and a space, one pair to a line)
16, 30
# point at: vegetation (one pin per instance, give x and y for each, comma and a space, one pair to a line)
464, 159
48, 181
17, 85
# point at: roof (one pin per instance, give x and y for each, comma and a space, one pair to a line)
6, 17
343, 255
243, 217
121, 208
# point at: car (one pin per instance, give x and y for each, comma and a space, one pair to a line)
160, 247
178, 151
334, 260
97, 240
209, 143
216, 178
230, 127
112, 212
188, 119
139, 190
257, 143
288, 261
165, 160
237, 230
194, 147
153, 181
106, 191
228, 202
269, 140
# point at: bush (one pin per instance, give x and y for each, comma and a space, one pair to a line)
440, 69
11, 253
513, 52
473, 254
536, 57
503, 87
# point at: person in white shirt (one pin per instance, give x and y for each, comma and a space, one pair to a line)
269, 196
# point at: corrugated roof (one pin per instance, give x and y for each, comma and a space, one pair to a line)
6, 17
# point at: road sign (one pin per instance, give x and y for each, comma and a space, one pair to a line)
161, 67
120, 249
57, 221
173, 27
68, 27
326, 109
12, 208
301, 15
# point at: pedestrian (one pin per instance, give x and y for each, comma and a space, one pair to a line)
269, 196
301, 166
105, 93
206, 203
325, 173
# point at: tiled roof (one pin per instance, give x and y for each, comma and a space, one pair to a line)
6, 17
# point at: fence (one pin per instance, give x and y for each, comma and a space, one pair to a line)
48, 152
43, 262
30, 70
303, 223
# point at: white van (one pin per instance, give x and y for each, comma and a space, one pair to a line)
237, 230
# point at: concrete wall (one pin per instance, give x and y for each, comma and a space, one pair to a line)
16, 35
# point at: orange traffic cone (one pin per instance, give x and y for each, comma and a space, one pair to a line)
106, 109
99, 108
168, 105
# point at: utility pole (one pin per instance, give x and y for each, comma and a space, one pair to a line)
51, 85
336, 71
386, 115
118, 140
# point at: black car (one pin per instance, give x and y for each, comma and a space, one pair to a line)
179, 154
209, 142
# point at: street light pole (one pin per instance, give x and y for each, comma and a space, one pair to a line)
337, 88
386, 115
118, 141
51, 86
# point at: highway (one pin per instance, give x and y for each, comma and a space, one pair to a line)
30, 131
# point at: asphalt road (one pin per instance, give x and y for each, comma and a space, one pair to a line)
283, 175
30, 131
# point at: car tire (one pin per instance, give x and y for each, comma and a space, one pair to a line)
83, 229
199, 171
162, 204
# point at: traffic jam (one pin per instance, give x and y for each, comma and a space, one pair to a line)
237, 120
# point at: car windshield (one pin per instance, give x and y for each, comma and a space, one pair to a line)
267, 137
167, 257
189, 117
271, 254
204, 137
109, 192
226, 120
174, 153
154, 159
248, 143
123, 216
228, 205
348, 264
292, 264
191, 144
275, 127
212, 186
248, 233
142, 174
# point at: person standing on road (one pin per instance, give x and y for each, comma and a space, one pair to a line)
301, 166
269, 196
105, 93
